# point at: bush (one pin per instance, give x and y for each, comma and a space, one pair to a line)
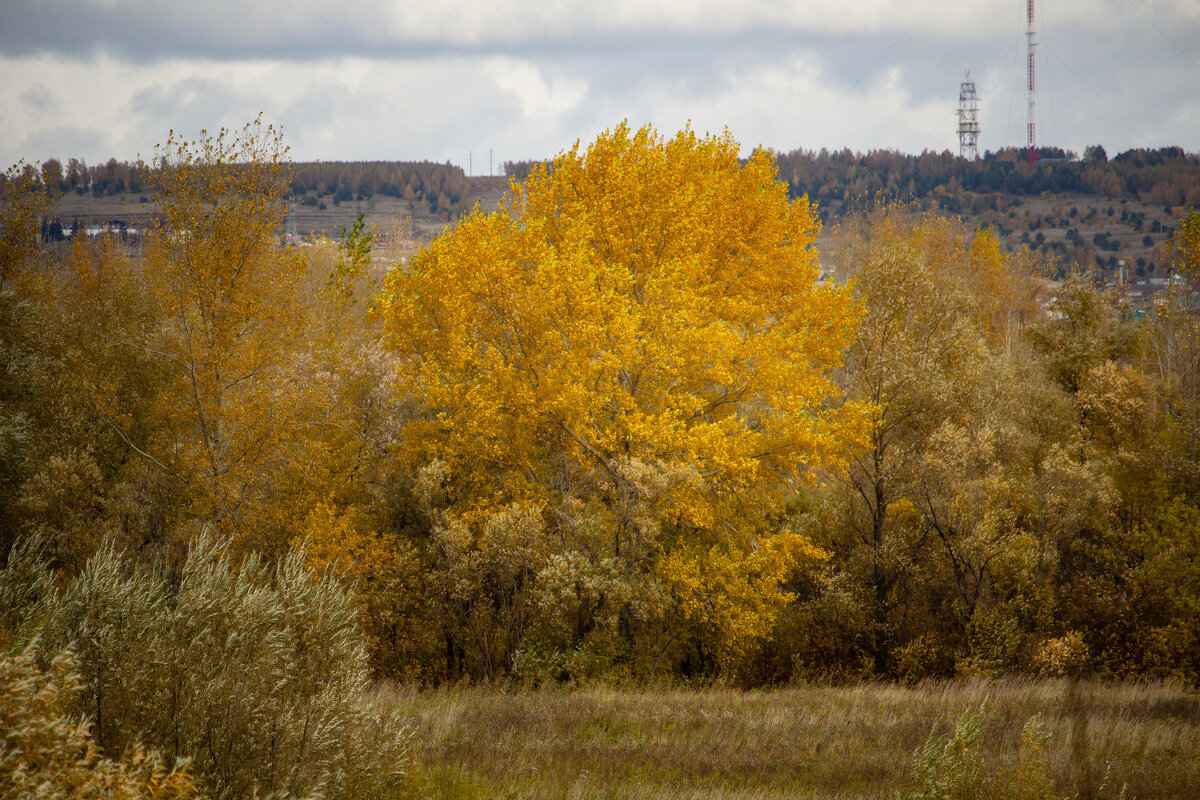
258, 675
45, 753
25, 582
952, 767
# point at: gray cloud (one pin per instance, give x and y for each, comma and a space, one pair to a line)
416, 79
66, 141
39, 99
140, 30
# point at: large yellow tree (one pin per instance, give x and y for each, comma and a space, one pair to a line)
635, 352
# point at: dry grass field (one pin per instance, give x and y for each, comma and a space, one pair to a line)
1052, 216
385, 213
857, 742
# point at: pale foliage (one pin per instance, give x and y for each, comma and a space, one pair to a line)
46, 754
25, 583
952, 767
258, 675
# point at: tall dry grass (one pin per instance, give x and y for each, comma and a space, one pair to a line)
1132, 741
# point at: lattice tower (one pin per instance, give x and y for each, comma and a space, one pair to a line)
968, 119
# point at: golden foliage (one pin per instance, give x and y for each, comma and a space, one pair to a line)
635, 341
385, 574
226, 299
643, 300
25, 202
46, 754
734, 599
1184, 245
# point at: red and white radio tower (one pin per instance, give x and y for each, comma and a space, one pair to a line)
1032, 95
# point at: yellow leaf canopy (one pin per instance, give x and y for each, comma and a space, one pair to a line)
636, 338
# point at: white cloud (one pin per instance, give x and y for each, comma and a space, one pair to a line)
413, 79
538, 94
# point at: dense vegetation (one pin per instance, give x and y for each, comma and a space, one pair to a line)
1167, 176
1080, 213
837, 180
440, 186
617, 431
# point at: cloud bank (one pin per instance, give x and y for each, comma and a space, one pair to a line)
456, 79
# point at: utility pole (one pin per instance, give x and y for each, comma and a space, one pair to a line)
1031, 45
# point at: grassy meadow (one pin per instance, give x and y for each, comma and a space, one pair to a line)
1107, 740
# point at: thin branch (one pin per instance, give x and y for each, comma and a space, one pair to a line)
135, 448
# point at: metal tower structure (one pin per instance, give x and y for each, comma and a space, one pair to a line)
968, 119
1031, 45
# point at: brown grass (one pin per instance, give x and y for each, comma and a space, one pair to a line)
853, 742
379, 211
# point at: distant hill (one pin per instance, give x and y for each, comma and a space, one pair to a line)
1091, 211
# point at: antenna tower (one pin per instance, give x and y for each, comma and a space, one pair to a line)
1032, 95
968, 119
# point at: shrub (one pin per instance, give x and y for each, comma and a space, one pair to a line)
948, 767
45, 753
1063, 657
258, 675
25, 582
952, 767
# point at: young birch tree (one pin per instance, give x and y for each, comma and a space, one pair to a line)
228, 312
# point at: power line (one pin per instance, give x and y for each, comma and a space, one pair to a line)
1163, 33
841, 96
1116, 113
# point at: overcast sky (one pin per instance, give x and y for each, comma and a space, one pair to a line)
454, 79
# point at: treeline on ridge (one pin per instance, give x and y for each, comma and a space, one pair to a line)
835, 180
439, 186
838, 180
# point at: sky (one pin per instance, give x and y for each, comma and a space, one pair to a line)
480, 82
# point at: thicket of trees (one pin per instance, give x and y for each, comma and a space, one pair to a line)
439, 186
618, 429
839, 180
834, 179
1167, 176
111, 177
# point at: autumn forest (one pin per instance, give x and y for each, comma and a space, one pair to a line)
625, 431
